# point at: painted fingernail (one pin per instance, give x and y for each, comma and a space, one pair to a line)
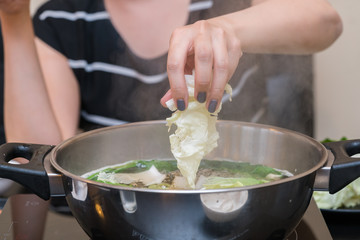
180, 104
201, 97
212, 106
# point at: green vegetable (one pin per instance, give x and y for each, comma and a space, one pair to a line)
244, 168
347, 197
332, 140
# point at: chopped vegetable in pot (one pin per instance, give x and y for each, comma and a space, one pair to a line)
163, 174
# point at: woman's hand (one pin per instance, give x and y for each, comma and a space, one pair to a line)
211, 48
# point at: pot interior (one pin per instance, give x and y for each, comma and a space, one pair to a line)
239, 141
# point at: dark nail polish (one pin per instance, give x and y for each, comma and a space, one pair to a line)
201, 97
180, 104
212, 106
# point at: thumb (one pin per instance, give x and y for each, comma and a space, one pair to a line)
166, 98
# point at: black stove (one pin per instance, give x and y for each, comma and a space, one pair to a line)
59, 224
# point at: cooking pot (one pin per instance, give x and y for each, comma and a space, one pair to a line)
265, 211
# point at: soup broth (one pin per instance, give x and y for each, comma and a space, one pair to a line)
164, 174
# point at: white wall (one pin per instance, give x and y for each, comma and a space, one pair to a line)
34, 4
337, 79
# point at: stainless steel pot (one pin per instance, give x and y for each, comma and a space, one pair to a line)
266, 211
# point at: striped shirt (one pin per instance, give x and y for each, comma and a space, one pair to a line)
116, 85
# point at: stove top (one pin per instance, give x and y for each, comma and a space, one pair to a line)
63, 226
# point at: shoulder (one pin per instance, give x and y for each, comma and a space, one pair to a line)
61, 23
57, 8
70, 5
53, 12
67, 15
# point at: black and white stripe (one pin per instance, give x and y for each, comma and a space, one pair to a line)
105, 67
102, 15
74, 16
115, 69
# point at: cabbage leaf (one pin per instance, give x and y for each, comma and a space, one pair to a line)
196, 133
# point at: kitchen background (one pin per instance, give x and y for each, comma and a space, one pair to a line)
337, 78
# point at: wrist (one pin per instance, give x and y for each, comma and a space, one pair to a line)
12, 21
15, 14
231, 28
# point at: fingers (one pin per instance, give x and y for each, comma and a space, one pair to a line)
220, 70
177, 56
213, 52
227, 53
203, 63
166, 98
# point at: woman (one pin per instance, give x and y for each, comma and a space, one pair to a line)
47, 85
105, 62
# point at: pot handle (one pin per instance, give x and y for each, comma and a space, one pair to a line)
31, 175
345, 168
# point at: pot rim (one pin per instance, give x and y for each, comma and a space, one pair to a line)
323, 151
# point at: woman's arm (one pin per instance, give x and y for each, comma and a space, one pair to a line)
62, 87
214, 47
29, 100
285, 26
